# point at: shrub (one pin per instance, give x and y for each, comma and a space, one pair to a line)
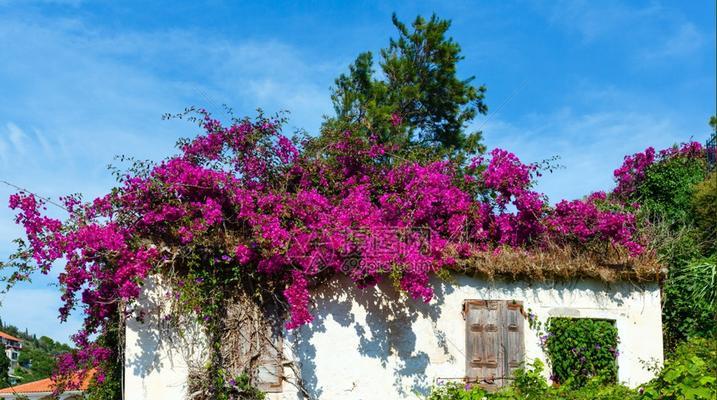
699, 278
684, 313
530, 384
596, 389
690, 374
580, 349
668, 187
673, 193
456, 391
704, 205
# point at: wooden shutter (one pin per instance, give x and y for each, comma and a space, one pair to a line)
270, 369
494, 341
253, 345
483, 365
513, 339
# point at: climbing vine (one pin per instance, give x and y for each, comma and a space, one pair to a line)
580, 349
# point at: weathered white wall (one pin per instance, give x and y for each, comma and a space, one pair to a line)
157, 359
373, 344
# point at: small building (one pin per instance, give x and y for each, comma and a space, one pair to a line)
42, 390
376, 344
13, 346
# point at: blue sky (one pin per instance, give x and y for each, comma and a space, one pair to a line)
81, 82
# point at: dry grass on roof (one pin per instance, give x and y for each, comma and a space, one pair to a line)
609, 264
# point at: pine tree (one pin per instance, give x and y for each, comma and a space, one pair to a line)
418, 103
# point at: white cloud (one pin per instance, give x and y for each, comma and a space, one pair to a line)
3, 153
684, 40
86, 95
594, 21
48, 149
17, 137
652, 32
277, 77
12, 143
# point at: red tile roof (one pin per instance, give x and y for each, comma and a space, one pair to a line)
43, 386
9, 337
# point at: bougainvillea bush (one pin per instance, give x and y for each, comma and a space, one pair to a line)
245, 202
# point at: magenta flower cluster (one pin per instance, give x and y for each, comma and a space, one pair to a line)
297, 217
584, 220
634, 166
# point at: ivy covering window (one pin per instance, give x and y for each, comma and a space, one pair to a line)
580, 349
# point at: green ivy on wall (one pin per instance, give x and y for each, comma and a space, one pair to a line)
580, 349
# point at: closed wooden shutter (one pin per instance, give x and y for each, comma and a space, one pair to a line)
513, 339
483, 342
253, 345
270, 370
494, 341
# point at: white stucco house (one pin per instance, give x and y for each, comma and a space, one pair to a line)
12, 346
374, 344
